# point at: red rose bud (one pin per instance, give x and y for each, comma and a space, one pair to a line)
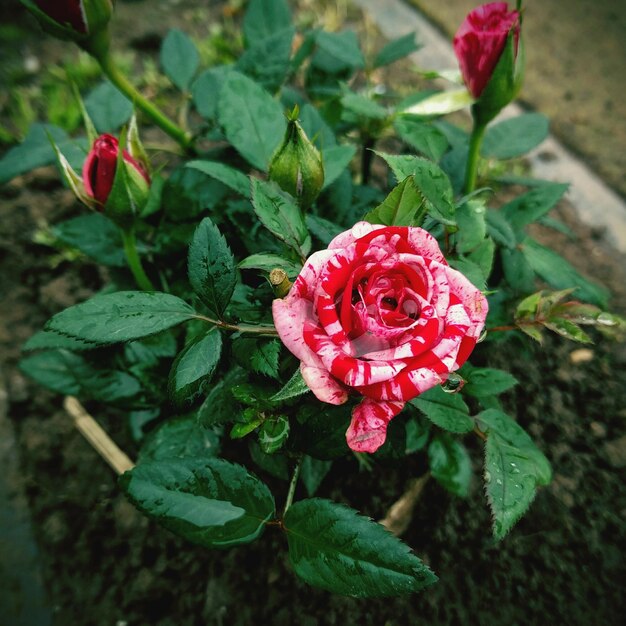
100, 174
297, 164
486, 46
71, 19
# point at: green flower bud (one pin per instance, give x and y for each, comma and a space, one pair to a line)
297, 164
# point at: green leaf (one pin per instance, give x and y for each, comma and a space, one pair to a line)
252, 120
471, 270
96, 236
396, 50
450, 464
47, 340
312, 473
515, 137
470, 218
323, 229
36, 151
482, 256
276, 465
180, 437
431, 181
336, 159
532, 205
194, 367
179, 58
220, 406
514, 466
206, 90
273, 434
446, 410
293, 388
320, 430
567, 329
517, 271
231, 177
335, 548
210, 502
559, 274
267, 61
281, 216
212, 272
441, 103
337, 52
267, 262
424, 138
264, 18
404, 206
108, 108
417, 434
121, 316
487, 381
258, 355
362, 106
72, 375
500, 229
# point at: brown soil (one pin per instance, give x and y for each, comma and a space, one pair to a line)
103, 563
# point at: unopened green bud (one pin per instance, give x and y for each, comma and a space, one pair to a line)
297, 164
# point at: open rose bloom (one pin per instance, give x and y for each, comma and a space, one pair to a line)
379, 313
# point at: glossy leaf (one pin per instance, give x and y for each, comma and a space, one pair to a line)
487, 381
121, 316
441, 103
264, 18
446, 410
312, 473
210, 502
96, 236
211, 267
281, 216
252, 120
450, 464
273, 434
179, 58
423, 137
229, 176
514, 466
294, 387
178, 438
268, 261
108, 108
336, 159
194, 367
335, 548
396, 50
515, 137
404, 206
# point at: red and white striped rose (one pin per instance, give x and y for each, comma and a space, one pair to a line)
382, 314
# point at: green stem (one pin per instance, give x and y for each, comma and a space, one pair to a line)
134, 262
292, 484
154, 113
473, 156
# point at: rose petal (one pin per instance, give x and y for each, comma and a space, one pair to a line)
323, 385
368, 428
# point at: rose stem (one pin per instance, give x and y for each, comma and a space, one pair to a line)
292, 484
473, 155
97, 437
126, 87
134, 262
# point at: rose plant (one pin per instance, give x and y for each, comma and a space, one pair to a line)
208, 349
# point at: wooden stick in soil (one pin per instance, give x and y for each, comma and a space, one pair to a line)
97, 437
400, 513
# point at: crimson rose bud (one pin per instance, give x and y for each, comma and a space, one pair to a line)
79, 20
480, 42
100, 169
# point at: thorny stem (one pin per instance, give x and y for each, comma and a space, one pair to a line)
259, 330
134, 262
127, 88
473, 156
292, 484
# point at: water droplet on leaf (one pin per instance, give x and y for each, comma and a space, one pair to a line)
606, 319
454, 384
482, 336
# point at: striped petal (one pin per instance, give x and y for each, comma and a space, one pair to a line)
368, 428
